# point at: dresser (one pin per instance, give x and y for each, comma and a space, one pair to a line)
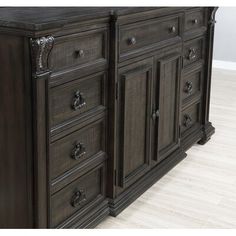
96, 105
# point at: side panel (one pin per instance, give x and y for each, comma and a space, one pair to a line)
15, 134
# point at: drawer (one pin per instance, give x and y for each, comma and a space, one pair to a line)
79, 50
71, 101
77, 147
193, 51
191, 85
194, 19
190, 118
139, 35
78, 196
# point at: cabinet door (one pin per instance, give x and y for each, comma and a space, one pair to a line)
167, 106
134, 109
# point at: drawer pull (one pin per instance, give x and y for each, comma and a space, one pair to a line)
192, 54
78, 198
132, 41
78, 151
188, 87
173, 29
155, 114
80, 53
195, 21
187, 121
78, 101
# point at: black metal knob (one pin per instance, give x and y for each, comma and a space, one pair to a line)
187, 121
132, 41
155, 114
173, 29
78, 151
80, 53
188, 88
78, 101
195, 21
191, 54
78, 198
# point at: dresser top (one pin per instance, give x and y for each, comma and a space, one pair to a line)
43, 18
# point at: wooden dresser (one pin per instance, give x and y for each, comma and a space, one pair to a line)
97, 104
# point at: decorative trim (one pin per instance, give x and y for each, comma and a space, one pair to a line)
212, 20
40, 50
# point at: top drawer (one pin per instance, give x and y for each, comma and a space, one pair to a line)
139, 35
79, 50
194, 19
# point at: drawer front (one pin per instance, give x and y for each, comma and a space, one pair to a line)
138, 35
190, 118
193, 51
77, 98
194, 19
77, 147
78, 196
191, 85
78, 50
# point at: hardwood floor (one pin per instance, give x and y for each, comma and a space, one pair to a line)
200, 192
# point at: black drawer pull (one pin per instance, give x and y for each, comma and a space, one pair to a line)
173, 29
78, 198
187, 122
78, 151
78, 101
192, 54
188, 88
132, 41
80, 53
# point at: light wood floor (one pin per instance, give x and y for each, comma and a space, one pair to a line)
200, 192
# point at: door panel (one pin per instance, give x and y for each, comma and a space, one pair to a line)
135, 94
167, 124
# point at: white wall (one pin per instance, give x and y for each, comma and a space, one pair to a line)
225, 34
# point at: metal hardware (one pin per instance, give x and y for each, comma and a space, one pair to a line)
173, 29
78, 151
155, 114
188, 88
192, 54
78, 101
80, 53
78, 198
187, 122
132, 41
195, 21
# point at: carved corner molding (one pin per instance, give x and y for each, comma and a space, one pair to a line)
212, 20
40, 50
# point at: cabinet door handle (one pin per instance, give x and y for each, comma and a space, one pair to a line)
155, 114
79, 53
132, 41
192, 54
78, 151
187, 122
188, 88
78, 198
78, 101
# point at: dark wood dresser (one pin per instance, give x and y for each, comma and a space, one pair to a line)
97, 104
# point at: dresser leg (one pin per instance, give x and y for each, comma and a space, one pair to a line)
208, 131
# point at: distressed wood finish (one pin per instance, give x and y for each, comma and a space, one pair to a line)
97, 104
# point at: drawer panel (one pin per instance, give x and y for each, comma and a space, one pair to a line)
138, 35
77, 147
194, 19
193, 51
190, 118
78, 50
77, 98
191, 85
78, 195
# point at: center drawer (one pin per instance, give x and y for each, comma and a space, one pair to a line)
73, 100
138, 35
77, 147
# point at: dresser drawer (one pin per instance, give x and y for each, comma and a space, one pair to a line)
190, 118
79, 50
77, 147
144, 34
191, 85
194, 19
78, 196
193, 51
78, 98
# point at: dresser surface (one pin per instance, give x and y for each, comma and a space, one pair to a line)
96, 105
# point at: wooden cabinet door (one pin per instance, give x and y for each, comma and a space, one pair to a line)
134, 109
167, 106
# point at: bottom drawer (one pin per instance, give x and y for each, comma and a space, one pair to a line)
190, 119
78, 196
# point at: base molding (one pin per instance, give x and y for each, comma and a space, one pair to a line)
208, 131
133, 192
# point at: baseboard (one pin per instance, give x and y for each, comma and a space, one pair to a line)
226, 65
